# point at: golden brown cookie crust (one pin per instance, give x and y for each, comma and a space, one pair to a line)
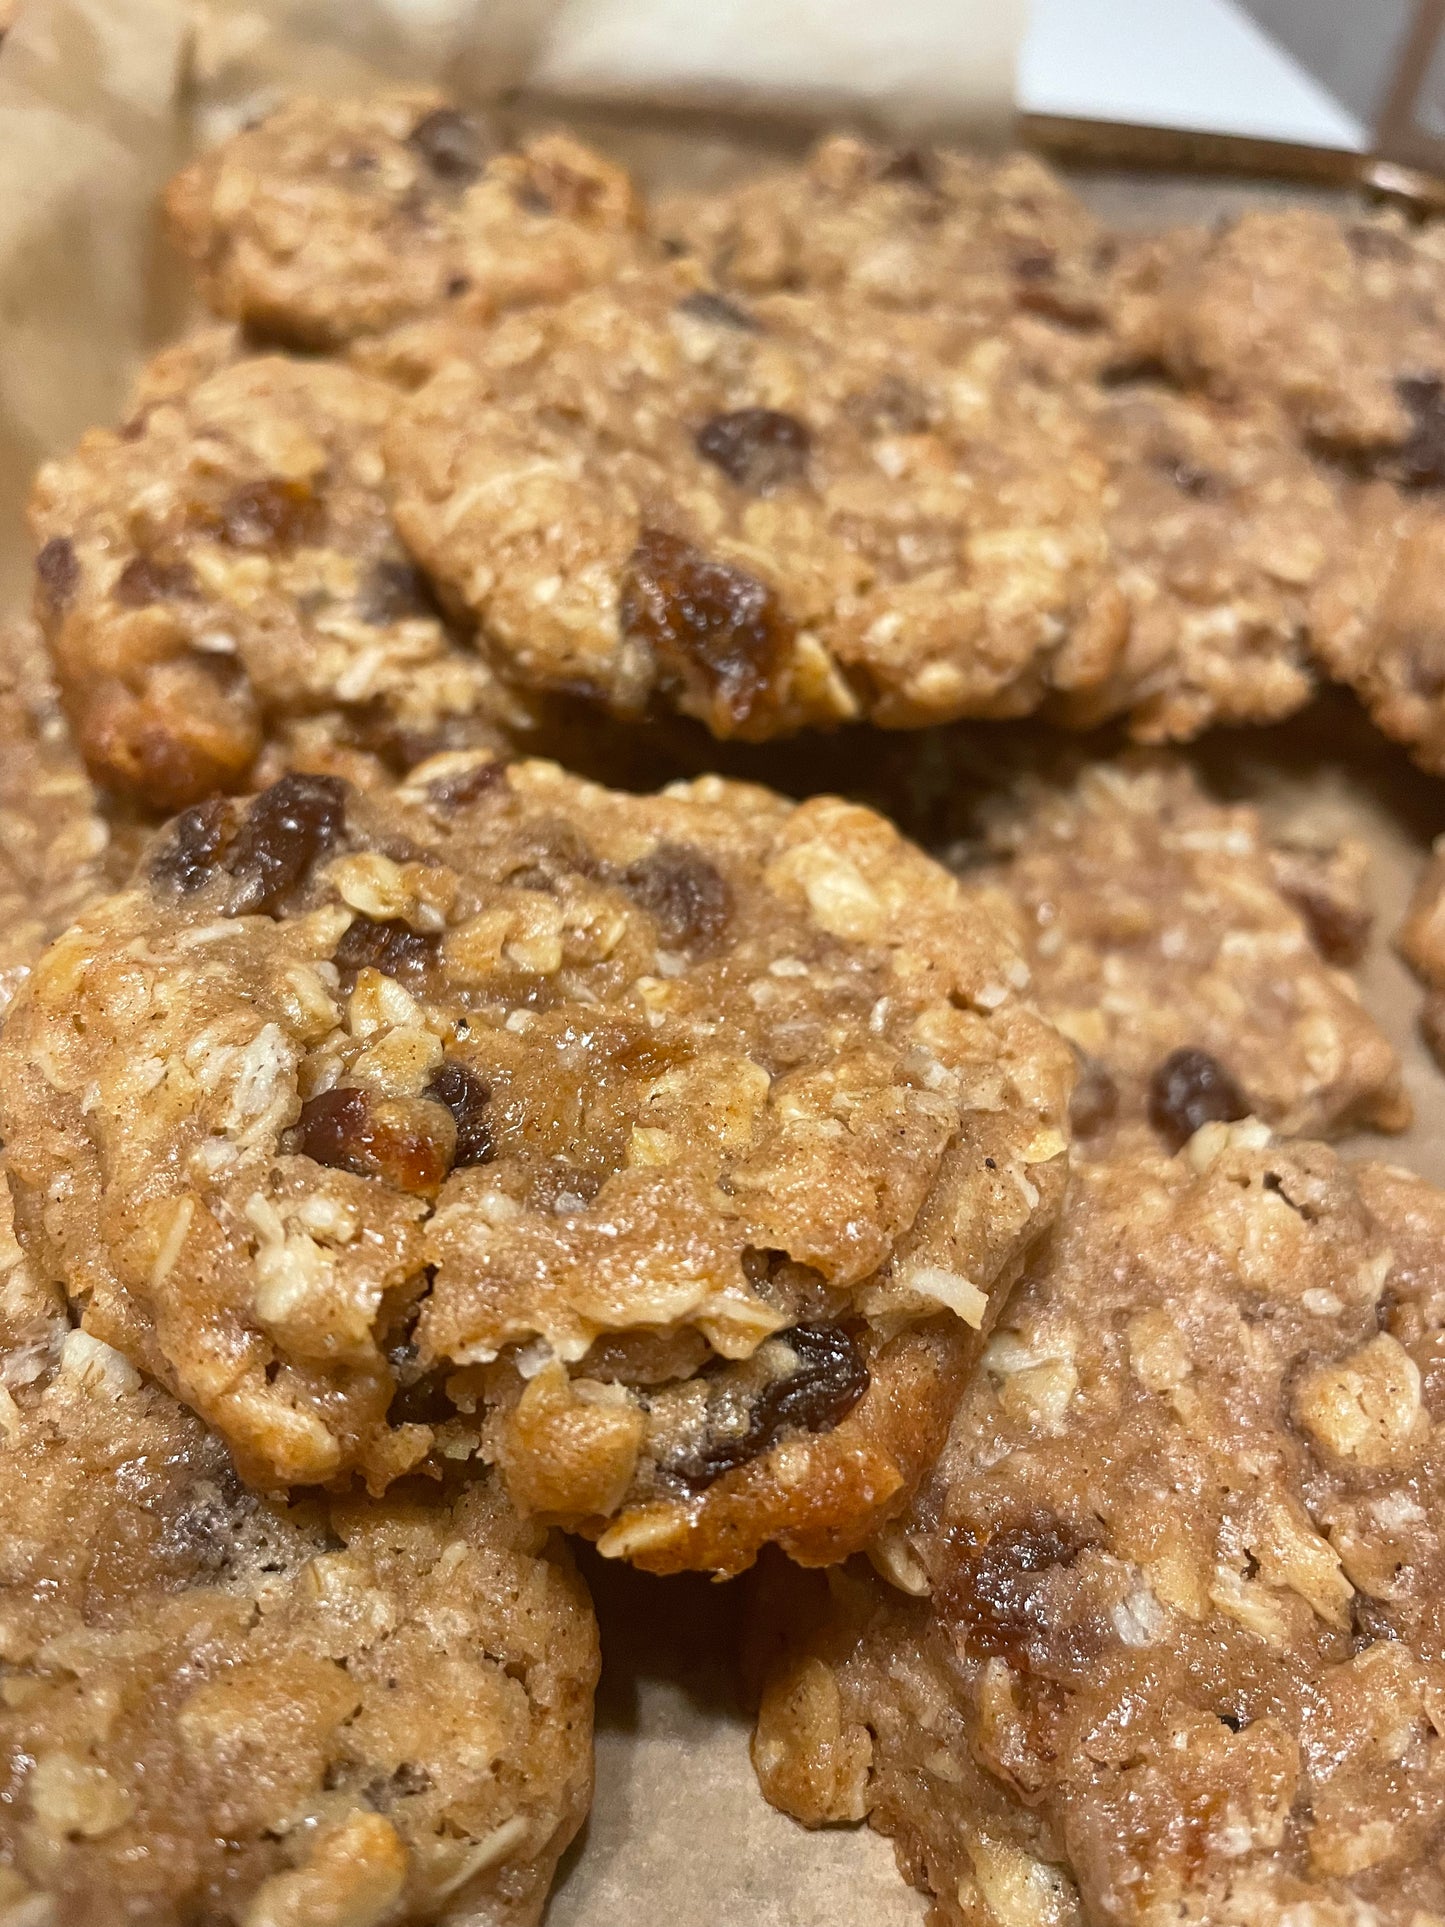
334, 219
218, 1706
1174, 1640
625, 1137
224, 568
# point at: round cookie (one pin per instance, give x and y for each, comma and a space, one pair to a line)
223, 568
333, 219
804, 511
904, 229
675, 1149
220, 1708
1163, 1638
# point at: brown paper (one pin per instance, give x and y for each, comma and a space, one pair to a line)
98, 99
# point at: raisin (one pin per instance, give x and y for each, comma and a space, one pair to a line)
1191, 1088
761, 449
455, 792
704, 305
286, 829
709, 624
1095, 1100
144, 580
451, 144
59, 574
190, 854
1036, 264
394, 590
466, 1096
1005, 1594
1419, 462
388, 945
829, 1379
912, 166
271, 515
1370, 1621
688, 897
388, 1138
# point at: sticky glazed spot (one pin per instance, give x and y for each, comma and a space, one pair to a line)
452, 145
688, 897
145, 580
467, 1097
1191, 1088
388, 945
760, 449
272, 514
817, 1394
407, 1143
716, 630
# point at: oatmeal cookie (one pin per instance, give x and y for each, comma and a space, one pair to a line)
54, 845
1165, 946
1422, 944
223, 570
339, 218
1164, 1638
675, 1149
220, 1708
1339, 321
803, 511
905, 229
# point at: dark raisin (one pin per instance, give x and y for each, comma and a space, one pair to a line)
761, 449
1036, 264
58, 573
829, 1379
389, 945
1004, 1594
350, 1130
1367, 242
1189, 479
712, 627
1370, 1621
913, 166
687, 896
455, 792
1419, 462
1095, 1100
189, 855
286, 829
271, 515
394, 590
466, 1096
452, 144
144, 580
1191, 1088
704, 305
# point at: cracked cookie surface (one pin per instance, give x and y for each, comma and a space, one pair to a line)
221, 575
1174, 1644
334, 219
219, 1708
1164, 944
676, 1149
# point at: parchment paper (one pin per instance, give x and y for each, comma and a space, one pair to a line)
98, 101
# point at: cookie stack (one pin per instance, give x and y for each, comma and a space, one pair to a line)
469, 1077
